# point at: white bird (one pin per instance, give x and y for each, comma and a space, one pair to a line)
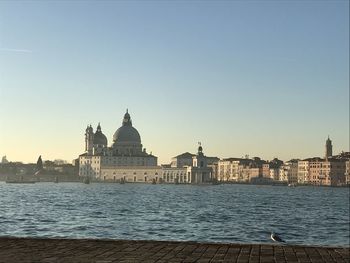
276, 238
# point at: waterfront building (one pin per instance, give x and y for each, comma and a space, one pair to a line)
126, 161
212, 160
182, 171
274, 166
318, 171
315, 175
288, 172
283, 173
265, 170
333, 172
230, 169
328, 171
347, 172
182, 160
242, 169
248, 173
214, 168
303, 171
116, 162
134, 174
174, 174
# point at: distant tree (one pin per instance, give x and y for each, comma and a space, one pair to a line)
39, 164
49, 163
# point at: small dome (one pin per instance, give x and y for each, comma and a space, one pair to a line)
99, 137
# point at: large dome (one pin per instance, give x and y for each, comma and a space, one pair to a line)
127, 133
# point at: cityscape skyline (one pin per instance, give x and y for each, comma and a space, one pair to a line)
242, 78
111, 142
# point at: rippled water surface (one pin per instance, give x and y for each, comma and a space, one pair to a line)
218, 213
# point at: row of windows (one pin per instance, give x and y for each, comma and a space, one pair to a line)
181, 179
135, 173
168, 178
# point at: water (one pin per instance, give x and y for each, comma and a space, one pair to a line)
218, 213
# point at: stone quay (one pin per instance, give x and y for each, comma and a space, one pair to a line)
56, 250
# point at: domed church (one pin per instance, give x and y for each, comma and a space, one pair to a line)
102, 162
126, 161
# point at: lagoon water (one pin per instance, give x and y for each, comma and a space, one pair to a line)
215, 213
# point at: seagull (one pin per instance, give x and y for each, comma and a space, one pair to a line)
276, 238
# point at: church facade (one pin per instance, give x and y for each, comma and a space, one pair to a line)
126, 161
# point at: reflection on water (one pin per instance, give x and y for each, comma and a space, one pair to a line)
220, 213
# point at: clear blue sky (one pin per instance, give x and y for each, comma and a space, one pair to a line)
264, 78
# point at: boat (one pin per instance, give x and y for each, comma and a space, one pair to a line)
215, 182
292, 185
86, 180
122, 181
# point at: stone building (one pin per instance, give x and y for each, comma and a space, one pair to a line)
329, 171
181, 160
318, 171
228, 169
275, 166
288, 172
182, 170
124, 159
347, 172
242, 169
303, 171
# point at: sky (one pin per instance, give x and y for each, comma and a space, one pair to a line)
257, 78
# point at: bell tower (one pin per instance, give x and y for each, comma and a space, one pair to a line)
329, 148
199, 160
89, 139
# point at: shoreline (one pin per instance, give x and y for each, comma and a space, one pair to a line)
24, 249
80, 180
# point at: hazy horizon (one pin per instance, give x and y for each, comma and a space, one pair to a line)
267, 79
